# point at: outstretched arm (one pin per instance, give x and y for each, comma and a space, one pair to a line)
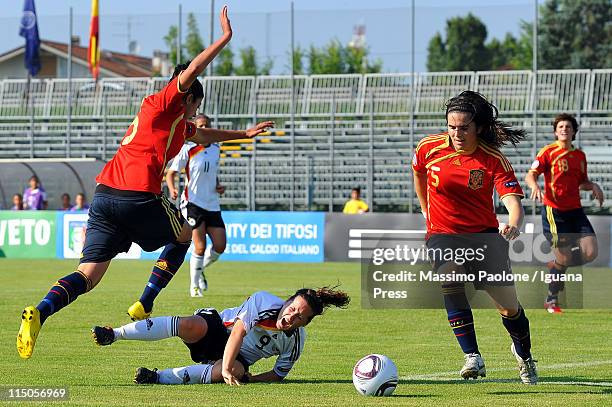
200, 62
232, 348
206, 136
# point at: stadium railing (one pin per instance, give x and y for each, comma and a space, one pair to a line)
362, 121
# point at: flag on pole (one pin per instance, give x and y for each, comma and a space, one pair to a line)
29, 31
93, 53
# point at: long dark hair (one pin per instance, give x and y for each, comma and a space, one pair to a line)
196, 88
484, 114
322, 298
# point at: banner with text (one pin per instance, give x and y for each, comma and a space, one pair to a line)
251, 236
27, 234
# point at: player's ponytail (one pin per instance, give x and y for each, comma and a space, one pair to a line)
196, 88
321, 299
484, 115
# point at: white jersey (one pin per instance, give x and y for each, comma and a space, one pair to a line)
263, 340
200, 164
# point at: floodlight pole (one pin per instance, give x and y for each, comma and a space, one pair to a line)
31, 108
69, 75
412, 104
178, 35
212, 33
332, 135
534, 68
292, 195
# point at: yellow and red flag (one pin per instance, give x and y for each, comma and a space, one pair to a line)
93, 53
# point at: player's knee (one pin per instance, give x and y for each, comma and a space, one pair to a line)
508, 312
589, 254
192, 329
238, 370
185, 235
199, 249
219, 247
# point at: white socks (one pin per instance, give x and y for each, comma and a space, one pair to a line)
195, 270
152, 329
210, 257
195, 374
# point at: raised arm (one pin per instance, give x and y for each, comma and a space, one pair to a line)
200, 62
206, 136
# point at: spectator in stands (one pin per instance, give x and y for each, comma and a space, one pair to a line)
17, 202
80, 203
355, 205
35, 197
66, 204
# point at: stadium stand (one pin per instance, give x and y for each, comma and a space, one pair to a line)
349, 129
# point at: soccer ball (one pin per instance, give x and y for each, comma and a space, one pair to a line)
375, 375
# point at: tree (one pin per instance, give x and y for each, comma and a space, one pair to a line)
337, 59
193, 42
521, 57
357, 61
575, 34
436, 54
315, 60
464, 48
170, 40
298, 61
511, 53
224, 63
249, 65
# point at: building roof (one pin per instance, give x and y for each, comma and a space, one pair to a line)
111, 63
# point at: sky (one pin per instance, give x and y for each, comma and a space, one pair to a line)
265, 24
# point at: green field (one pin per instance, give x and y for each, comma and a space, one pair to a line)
574, 349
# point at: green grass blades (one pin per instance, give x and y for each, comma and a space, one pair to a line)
573, 349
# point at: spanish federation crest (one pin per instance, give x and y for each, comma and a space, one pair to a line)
476, 179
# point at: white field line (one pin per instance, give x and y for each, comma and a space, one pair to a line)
453, 375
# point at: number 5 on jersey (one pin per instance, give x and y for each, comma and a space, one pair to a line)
131, 132
435, 178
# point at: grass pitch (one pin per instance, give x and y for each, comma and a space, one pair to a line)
574, 349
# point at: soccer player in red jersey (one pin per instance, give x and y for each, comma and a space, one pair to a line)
454, 174
128, 205
563, 220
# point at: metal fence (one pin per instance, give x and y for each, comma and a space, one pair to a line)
588, 91
349, 130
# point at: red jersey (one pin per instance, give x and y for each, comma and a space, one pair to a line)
564, 171
460, 184
155, 136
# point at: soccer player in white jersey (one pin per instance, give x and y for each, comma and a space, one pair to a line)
226, 344
200, 204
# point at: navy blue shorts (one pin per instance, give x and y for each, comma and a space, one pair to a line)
474, 252
564, 228
118, 218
